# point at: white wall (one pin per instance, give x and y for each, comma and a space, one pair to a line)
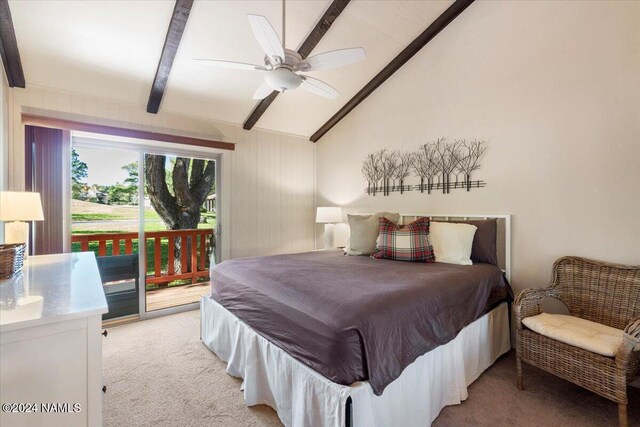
554, 88
267, 182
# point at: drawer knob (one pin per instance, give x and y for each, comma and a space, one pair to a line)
104, 388
105, 332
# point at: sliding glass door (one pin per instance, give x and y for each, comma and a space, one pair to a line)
105, 220
179, 223
122, 196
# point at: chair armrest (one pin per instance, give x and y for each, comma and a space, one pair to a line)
630, 343
529, 303
633, 330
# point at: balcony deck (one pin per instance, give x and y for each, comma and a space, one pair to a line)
173, 296
161, 264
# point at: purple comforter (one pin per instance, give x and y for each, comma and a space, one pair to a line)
354, 318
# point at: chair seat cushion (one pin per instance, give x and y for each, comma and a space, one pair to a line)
591, 336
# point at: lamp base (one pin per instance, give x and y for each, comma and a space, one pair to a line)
328, 236
17, 232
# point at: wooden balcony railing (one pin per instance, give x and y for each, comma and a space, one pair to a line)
190, 266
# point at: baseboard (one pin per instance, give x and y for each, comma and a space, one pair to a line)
120, 320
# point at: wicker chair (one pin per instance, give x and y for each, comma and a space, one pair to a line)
600, 292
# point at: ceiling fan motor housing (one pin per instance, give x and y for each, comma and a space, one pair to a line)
291, 59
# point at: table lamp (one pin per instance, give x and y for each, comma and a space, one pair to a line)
19, 208
328, 216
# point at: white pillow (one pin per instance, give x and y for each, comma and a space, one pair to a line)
452, 242
364, 230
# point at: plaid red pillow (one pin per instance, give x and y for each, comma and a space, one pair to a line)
405, 243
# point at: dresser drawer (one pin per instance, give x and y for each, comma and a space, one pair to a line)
53, 366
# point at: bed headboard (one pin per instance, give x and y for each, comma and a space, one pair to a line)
503, 238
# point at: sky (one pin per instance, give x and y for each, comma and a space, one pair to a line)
104, 166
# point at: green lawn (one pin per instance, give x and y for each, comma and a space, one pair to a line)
159, 226
86, 219
151, 214
94, 217
95, 232
79, 217
149, 226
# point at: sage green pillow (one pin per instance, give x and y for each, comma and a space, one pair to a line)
364, 230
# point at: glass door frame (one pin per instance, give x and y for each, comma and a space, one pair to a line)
143, 147
217, 157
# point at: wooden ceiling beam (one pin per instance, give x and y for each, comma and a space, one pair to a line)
305, 49
9, 48
414, 47
171, 43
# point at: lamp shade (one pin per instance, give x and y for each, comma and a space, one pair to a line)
329, 215
20, 206
282, 79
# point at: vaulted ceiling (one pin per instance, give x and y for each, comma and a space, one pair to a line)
110, 49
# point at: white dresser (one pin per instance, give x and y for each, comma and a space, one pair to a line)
51, 343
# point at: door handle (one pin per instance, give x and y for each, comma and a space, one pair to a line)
105, 333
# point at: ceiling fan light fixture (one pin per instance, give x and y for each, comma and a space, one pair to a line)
283, 79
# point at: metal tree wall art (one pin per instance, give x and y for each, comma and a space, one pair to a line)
448, 156
425, 166
372, 172
389, 161
402, 168
381, 168
434, 163
470, 160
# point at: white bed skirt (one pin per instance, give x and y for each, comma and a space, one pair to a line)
303, 397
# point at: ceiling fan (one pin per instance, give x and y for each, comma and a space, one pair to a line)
282, 66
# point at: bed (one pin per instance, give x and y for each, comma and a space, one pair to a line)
333, 340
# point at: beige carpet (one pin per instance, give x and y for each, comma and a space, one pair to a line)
158, 373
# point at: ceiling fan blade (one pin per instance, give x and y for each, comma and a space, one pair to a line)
231, 64
263, 91
319, 87
266, 36
335, 59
